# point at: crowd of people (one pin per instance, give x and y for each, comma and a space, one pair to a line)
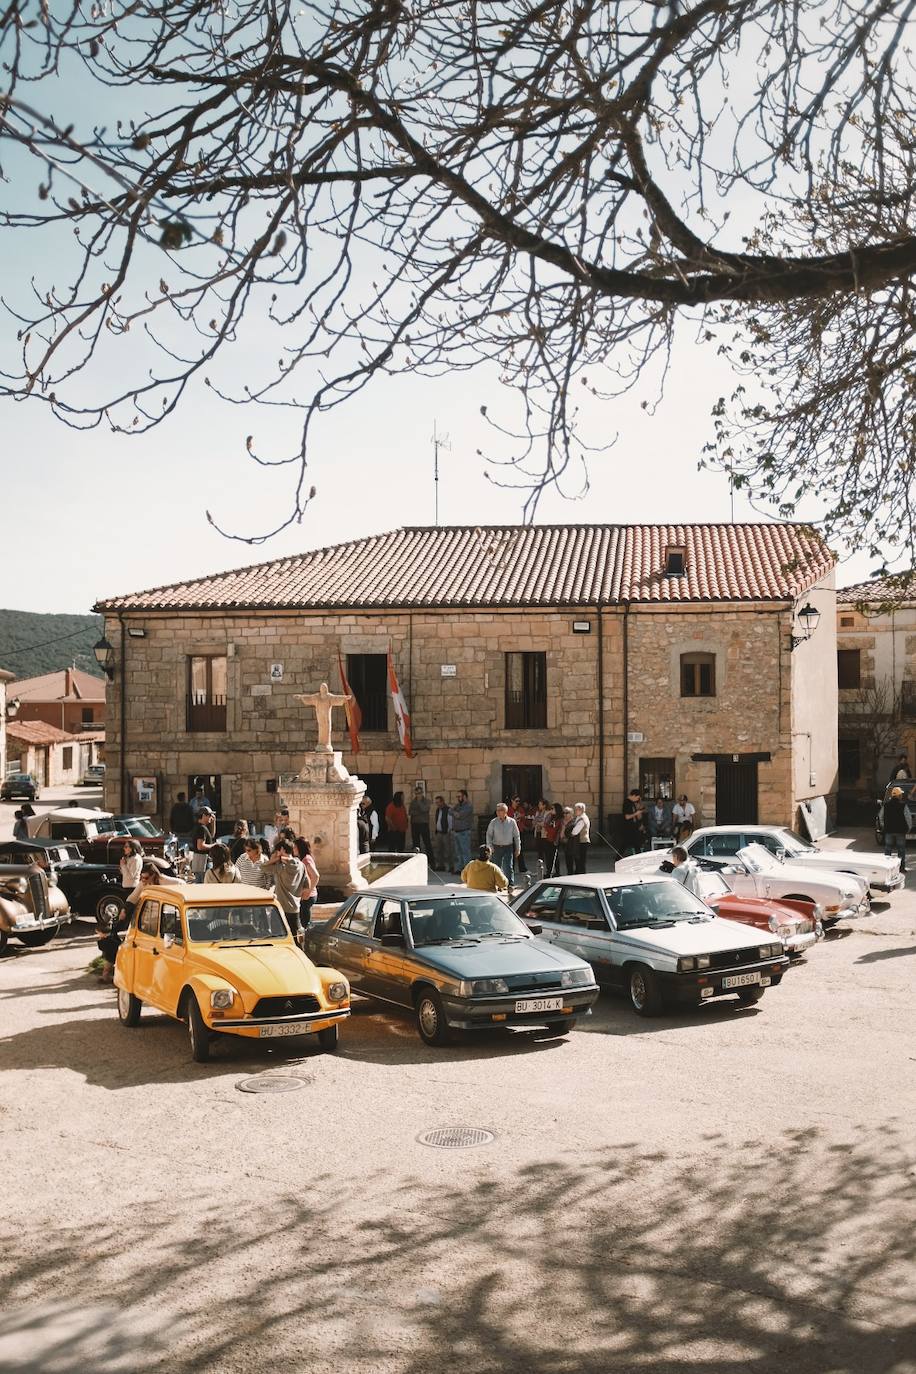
658, 818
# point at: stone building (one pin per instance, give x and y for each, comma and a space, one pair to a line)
570, 661
876, 675
55, 758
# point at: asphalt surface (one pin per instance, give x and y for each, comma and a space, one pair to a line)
721, 1190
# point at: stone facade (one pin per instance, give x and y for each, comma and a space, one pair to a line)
459, 727
877, 719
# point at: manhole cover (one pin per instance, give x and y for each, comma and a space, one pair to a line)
455, 1137
270, 1083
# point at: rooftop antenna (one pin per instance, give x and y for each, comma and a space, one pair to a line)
439, 441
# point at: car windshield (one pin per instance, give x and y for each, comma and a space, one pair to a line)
793, 842
219, 924
652, 904
137, 825
756, 859
447, 920
107, 825
710, 885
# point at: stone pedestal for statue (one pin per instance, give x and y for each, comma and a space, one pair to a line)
322, 802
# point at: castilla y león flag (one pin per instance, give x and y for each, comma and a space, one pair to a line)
402, 715
354, 714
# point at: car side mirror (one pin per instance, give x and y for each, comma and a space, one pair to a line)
536, 930
393, 939
781, 855
168, 941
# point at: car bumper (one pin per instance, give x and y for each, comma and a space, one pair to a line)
277, 1026
797, 944
899, 881
479, 1013
28, 926
707, 984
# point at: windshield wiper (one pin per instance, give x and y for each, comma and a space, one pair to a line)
500, 935
639, 925
462, 940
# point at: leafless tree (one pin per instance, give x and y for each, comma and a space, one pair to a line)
873, 712
542, 188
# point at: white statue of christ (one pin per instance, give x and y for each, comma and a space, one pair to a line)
324, 703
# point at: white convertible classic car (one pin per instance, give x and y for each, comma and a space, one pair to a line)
882, 874
755, 872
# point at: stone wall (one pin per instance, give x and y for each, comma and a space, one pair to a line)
459, 728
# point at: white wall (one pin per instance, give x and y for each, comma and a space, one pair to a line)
815, 697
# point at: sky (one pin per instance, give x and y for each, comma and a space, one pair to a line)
91, 514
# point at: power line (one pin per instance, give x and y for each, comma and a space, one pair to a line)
17, 653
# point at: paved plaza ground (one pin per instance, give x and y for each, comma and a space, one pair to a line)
721, 1190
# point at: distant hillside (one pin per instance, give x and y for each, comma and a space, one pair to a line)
32, 644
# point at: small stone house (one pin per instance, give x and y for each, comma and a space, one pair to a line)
876, 677
54, 757
69, 699
564, 661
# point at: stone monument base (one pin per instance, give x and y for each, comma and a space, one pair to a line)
322, 803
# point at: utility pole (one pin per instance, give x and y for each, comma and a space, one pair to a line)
439, 441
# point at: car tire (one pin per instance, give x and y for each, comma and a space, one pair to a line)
129, 1008
108, 909
644, 991
34, 939
748, 996
198, 1032
328, 1038
431, 1023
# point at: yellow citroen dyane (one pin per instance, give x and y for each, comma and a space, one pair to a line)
221, 958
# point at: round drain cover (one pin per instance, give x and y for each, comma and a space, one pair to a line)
270, 1083
455, 1137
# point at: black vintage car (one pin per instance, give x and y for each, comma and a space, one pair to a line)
92, 890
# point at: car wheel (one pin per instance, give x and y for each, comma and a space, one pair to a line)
328, 1037
198, 1033
34, 939
129, 1008
645, 994
108, 909
431, 1022
748, 996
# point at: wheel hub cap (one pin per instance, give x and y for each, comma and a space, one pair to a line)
428, 1017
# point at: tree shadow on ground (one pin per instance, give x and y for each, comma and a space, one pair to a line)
877, 955
786, 1254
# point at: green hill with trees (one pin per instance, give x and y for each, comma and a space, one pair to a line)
32, 644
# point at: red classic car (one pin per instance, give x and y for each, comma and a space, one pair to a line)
798, 924
100, 835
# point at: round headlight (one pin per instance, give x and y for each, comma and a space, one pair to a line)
221, 998
337, 991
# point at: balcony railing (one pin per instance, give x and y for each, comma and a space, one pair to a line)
207, 715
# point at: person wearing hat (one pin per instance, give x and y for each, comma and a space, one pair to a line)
202, 842
418, 812
21, 817
897, 821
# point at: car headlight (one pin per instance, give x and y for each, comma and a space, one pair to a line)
702, 961
485, 987
849, 896
337, 991
818, 913
687, 964
769, 951
221, 998
576, 977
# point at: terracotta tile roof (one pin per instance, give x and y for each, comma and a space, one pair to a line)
514, 565
879, 589
70, 684
37, 732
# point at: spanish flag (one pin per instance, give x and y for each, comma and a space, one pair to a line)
402, 715
354, 714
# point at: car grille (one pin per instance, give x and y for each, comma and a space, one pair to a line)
286, 1006
533, 982
734, 958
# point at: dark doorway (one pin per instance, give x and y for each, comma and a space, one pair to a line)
525, 780
736, 793
378, 787
211, 786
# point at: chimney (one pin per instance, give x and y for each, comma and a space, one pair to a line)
70, 687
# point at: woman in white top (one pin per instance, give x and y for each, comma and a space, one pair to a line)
250, 864
131, 864
222, 869
581, 833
